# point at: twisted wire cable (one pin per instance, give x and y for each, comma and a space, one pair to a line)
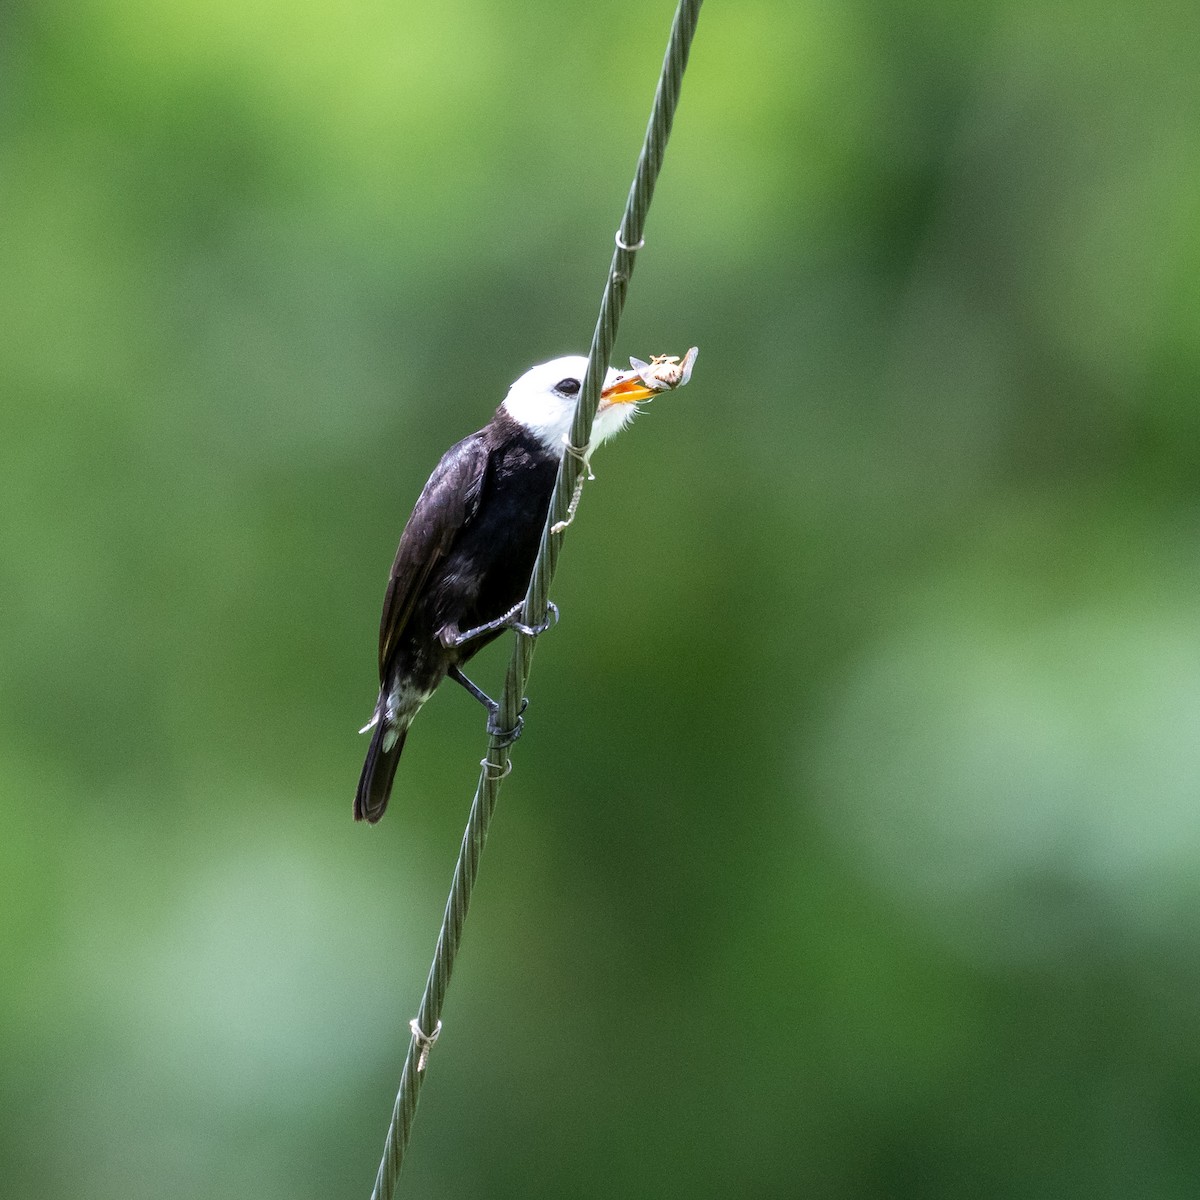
496, 766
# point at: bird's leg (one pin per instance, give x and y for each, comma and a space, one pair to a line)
491, 705
506, 736
450, 636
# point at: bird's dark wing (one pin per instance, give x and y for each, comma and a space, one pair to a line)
446, 504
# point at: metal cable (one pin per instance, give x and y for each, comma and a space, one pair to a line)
496, 766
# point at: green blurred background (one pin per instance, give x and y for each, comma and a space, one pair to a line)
853, 847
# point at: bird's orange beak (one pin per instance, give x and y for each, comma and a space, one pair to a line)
626, 390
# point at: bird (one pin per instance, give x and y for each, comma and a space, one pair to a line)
464, 560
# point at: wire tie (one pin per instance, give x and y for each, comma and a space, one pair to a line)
488, 766
631, 249
580, 454
559, 526
424, 1040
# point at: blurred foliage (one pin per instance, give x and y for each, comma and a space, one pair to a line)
853, 848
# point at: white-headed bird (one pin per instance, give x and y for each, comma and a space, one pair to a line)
466, 554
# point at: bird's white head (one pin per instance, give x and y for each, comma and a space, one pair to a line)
543, 401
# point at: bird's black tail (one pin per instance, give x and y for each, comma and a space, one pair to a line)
375, 783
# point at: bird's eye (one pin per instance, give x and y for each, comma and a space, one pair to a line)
568, 387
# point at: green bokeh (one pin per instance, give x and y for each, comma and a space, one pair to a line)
853, 848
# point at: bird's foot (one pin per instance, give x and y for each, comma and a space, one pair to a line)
505, 737
451, 636
537, 630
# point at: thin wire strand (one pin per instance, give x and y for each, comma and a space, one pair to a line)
496, 766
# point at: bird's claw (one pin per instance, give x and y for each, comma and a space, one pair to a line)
537, 630
505, 737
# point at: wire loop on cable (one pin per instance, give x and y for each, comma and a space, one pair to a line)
489, 766
424, 1040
